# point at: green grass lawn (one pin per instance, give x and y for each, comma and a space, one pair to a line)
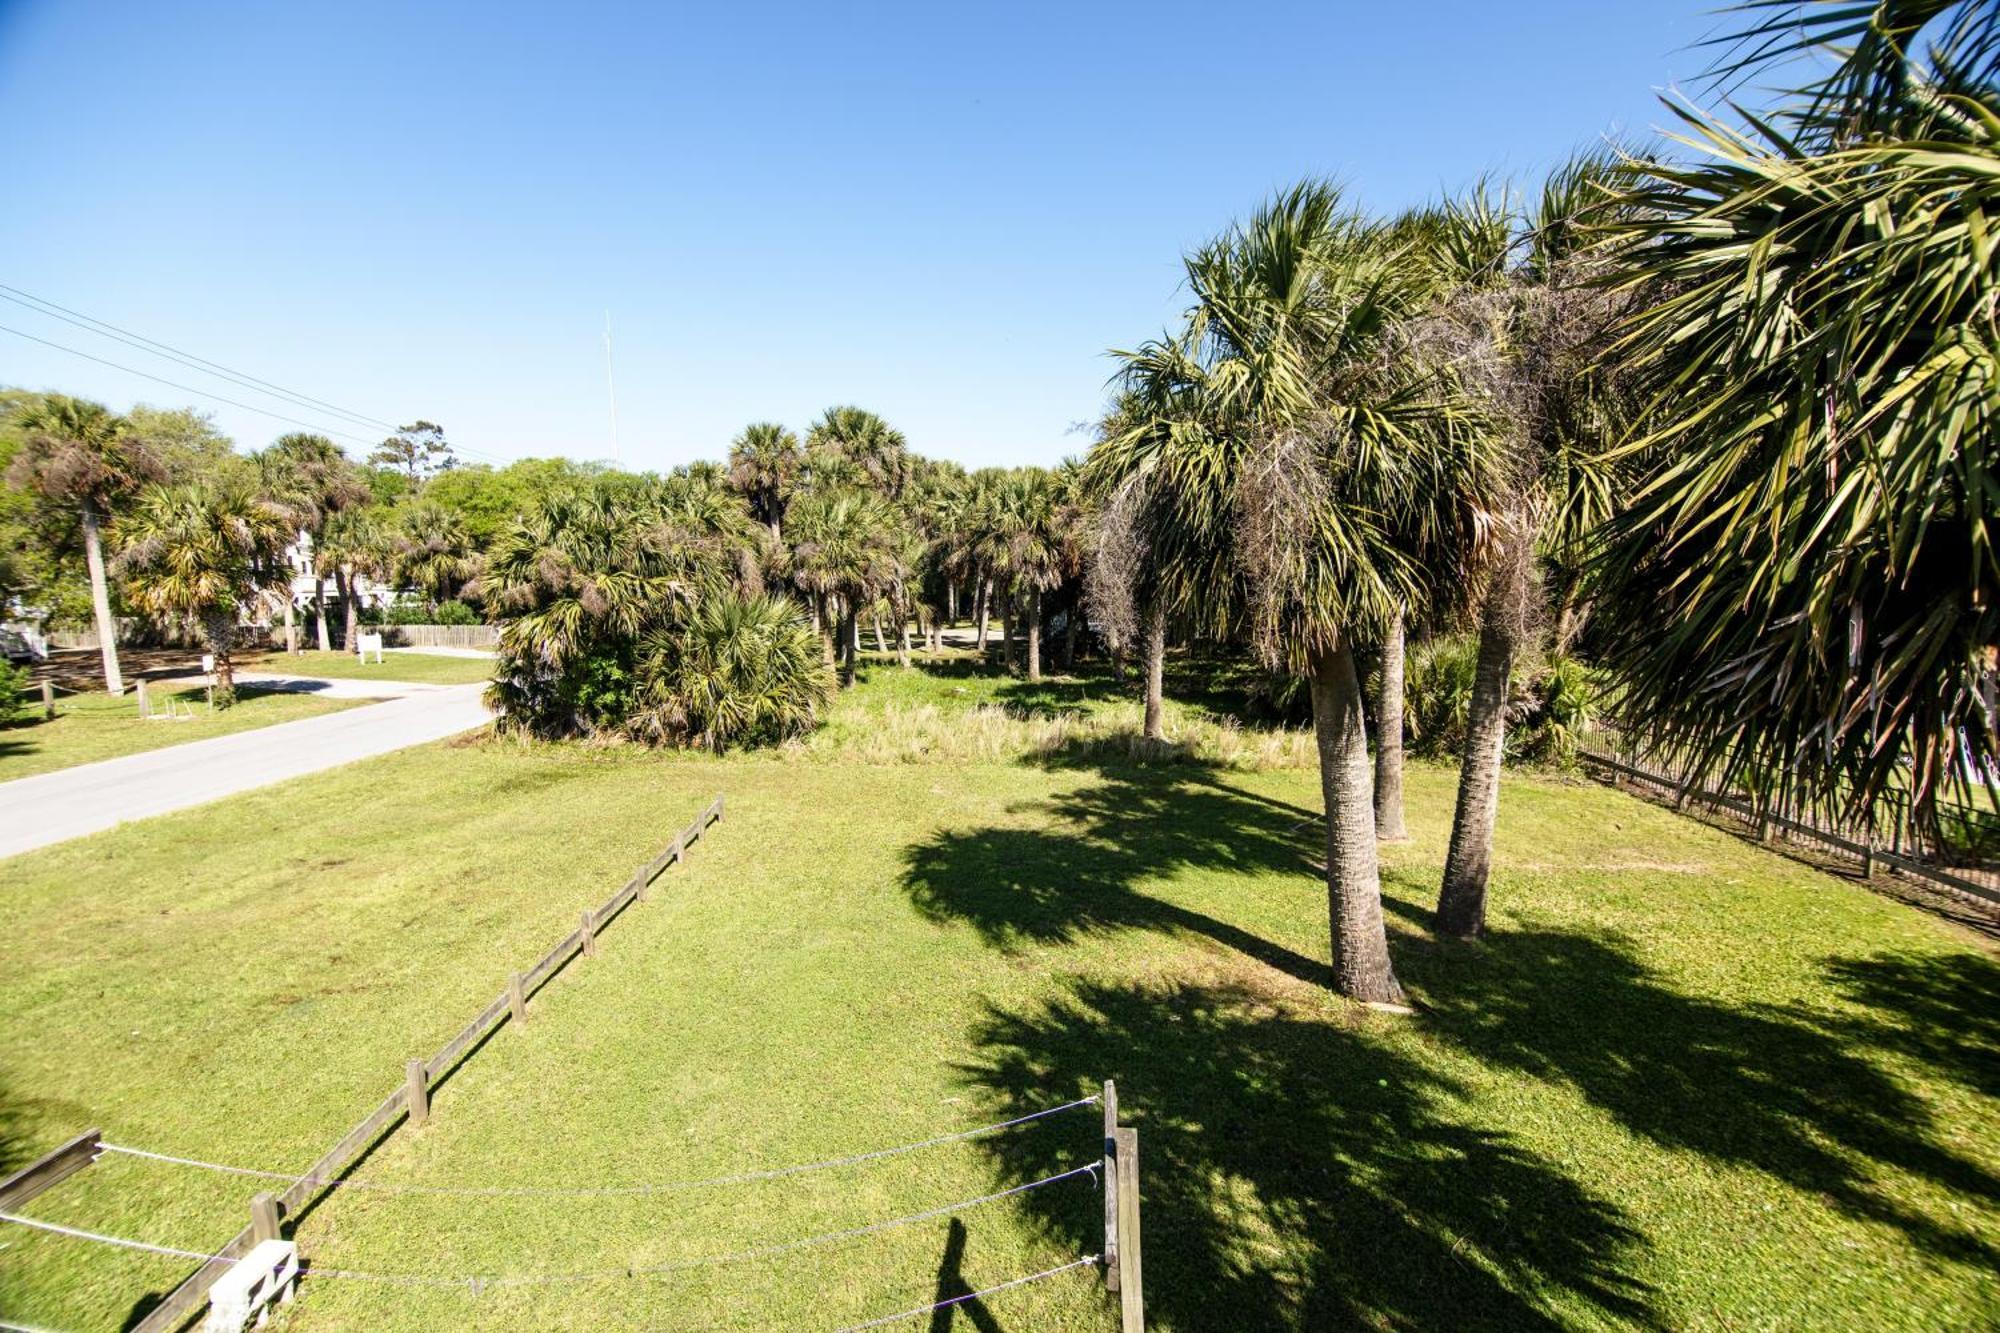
1685, 1084
424, 668
89, 727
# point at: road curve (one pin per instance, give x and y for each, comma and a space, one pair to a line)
89, 798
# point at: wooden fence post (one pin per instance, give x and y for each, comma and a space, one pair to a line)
264, 1217
1131, 1288
517, 997
589, 936
1110, 1186
49, 701
417, 1090
50, 1169
145, 702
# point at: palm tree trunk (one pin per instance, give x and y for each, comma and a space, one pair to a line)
903, 641
823, 622
319, 610
984, 600
1389, 739
1069, 635
1154, 628
291, 619
218, 626
1461, 907
951, 601
1361, 967
881, 646
848, 632
1034, 634
343, 582
100, 600
1007, 633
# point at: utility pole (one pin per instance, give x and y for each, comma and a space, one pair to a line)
611, 389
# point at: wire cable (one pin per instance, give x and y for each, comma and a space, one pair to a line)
188, 359
600, 1191
188, 388
479, 1282
971, 1295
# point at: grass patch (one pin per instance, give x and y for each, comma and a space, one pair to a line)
1686, 1083
422, 668
89, 727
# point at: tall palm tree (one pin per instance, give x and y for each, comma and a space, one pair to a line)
1022, 545
434, 553
1805, 595
867, 442
840, 556
202, 550
765, 462
79, 453
1526, 323
309, 475
1318, 483
356, 543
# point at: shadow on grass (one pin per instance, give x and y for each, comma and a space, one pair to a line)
1298, 1175
1389, 1204
1019, 886
1788, 1091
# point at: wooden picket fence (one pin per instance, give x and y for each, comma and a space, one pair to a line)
409, 1104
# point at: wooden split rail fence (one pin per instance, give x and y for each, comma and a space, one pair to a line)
408, 1104
1867, 852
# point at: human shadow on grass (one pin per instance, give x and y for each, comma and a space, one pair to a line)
1081, 877
1297, 1173
1788, 1091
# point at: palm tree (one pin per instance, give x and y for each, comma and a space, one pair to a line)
434, 552
79, 453
740, 670
310, 476
201, 550
1805, 595
1283, 447
356, 544
575, 583
1526, 323
871, 445
841, 557
1022, 545
765, 463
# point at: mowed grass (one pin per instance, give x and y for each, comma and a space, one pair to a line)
89, 727
1685, 1084
422, 668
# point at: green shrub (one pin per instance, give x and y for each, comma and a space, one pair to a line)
1437, 694
13, 692
454, 612
737, 671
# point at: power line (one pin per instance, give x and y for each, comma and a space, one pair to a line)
188, 388
91, 324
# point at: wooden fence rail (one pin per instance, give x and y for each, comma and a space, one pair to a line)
409, 1103
1769, 823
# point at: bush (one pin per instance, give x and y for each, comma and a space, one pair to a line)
417, 613
453, 612
13, 692
1437, 694
738, 671
1553, 705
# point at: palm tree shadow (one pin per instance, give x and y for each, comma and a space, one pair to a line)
1083, 876
1298, 1175
1793, 1091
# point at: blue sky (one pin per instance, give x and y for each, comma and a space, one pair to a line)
943, 212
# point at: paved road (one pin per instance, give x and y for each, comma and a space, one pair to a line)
71, 802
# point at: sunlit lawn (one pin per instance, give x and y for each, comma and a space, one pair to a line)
424, 668
1685, 1084
89, 727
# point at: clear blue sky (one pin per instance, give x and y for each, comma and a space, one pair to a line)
943, 212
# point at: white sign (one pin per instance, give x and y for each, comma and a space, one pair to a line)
366, 644
208, 664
